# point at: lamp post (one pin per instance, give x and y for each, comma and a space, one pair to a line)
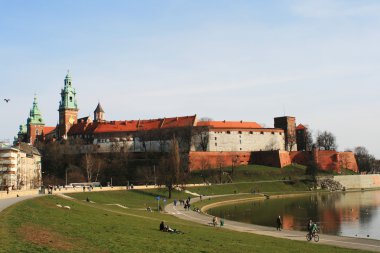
154, 172
66, 175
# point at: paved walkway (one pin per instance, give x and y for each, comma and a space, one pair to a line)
4, 203
339, 241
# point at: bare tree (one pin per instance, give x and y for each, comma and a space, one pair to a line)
326, 141
366, 162
204, 166
291, 141
98, 166
308, 140
205, 119
88, 166
169, 168
235, 161
200, 138
220, 162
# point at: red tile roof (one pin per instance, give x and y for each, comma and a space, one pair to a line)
300, 127
48, 130
130, 125
229, 124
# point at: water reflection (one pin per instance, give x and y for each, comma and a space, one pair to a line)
354, 214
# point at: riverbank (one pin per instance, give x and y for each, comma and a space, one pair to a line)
346, 242
119, 222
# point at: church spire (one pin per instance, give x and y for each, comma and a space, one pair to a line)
68, 108
68, 99
35, 116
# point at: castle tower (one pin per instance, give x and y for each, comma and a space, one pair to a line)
68, 109
301, 137
99, 114
288, 124
35, 123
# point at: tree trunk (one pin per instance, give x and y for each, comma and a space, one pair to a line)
170, 188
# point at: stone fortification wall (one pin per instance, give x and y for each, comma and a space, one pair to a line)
359, 181
271, 158
300, 157
326, 159
207, 160
347, 160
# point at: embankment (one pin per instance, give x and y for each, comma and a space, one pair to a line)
359, 181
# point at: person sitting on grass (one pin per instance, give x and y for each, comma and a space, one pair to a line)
165, 228
162, 226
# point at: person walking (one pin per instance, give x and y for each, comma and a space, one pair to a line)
279, 223
214, 221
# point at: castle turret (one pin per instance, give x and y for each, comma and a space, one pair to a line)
35, 123
68, 108
99, 114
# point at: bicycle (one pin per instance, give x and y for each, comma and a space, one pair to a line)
311, 236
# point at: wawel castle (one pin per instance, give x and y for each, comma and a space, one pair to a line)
234, 142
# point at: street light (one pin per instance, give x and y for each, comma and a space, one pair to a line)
154, 172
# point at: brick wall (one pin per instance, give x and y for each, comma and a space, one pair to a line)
347, 160
271, 158
300, 157
326, 159
206, 160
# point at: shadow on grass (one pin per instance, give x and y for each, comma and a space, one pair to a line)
156, 193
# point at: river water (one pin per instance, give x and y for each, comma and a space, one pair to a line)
355, 214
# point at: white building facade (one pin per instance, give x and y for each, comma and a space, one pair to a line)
20, 168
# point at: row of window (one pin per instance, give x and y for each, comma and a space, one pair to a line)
250, 132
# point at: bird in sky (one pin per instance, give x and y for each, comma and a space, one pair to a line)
7, 99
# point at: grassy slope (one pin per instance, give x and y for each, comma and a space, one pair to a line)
247, 179
250, 173
100, 228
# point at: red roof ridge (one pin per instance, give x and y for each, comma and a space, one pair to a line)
300, 127
229, 124
48, 129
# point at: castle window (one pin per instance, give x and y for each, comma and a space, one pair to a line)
261, 132
240, 141
228, 132
250, 132
216, 138
71, 99
272, 132
239, 132
216, 144
240, 148
280, 133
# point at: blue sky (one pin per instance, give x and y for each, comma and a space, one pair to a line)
228, 60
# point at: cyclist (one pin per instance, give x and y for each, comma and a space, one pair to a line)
309, 227
314, 228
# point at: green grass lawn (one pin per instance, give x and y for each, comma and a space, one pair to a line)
38, 225
249, 187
